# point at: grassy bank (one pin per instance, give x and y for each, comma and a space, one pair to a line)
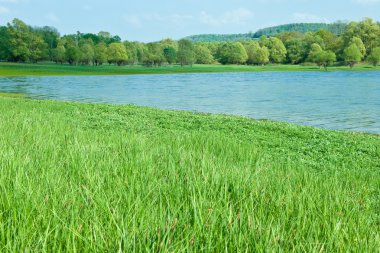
15, 69
103, 178
12, 95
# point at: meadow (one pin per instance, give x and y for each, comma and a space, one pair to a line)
44, 69
80, 177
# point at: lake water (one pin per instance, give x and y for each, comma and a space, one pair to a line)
333, 100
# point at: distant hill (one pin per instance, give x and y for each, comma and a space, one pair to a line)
220, 37
336, 28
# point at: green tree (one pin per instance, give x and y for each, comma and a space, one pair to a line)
213, 47
154, 54
277, 50
170, 54
185, 52
59, 54
315, 49
261, 57
73, 54
311, 38
19, 34
25, 43
264, 41
251, 47
295, 50
100, 53
374, 57
352, 55
5, 53
87, 53
360, 45
232, 53
50, 36
286, 36
117, 53
169, 43
104, 36
325, 58
132, 52
367, 30
203, 55
338, 48
38, 48
328, 39
140, 50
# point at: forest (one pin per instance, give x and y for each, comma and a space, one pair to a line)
357, 42
336, 28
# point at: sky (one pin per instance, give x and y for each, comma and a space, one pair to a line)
152, 20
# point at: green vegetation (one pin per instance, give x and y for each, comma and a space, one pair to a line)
321, 57
105, 178
18, 69
185, 52
117, 53
325, 58
255, 53
220, 37
203, 55
277, 50
12, 95
352, 55
374, 57
335, 28
233, 53
288, 44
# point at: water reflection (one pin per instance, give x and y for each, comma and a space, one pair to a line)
334, 100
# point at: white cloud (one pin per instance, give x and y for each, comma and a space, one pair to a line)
4, 10
309, 18
52, 17
237, 17
8, 1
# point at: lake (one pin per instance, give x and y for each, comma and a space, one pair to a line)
332, 100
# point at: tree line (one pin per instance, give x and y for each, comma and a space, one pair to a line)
359, 41
336, 28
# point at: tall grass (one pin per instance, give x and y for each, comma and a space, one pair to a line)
17, 69
103, 178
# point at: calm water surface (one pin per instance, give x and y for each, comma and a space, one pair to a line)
333, 100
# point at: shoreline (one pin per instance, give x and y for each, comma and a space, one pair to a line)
29, 69
5, 95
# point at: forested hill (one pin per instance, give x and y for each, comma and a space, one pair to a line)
220, 37
336, 28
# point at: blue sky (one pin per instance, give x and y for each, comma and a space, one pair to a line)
151, 20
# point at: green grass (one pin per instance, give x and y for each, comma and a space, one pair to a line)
15, 69
104, 178
13, 95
